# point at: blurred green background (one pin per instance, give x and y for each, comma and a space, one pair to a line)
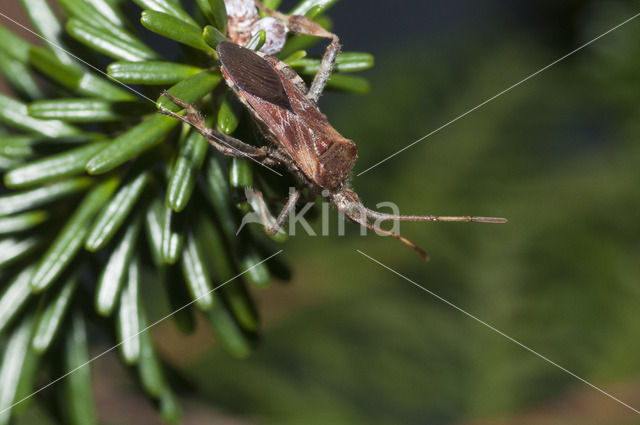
558, 156
348, 342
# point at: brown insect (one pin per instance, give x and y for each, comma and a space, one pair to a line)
302, 138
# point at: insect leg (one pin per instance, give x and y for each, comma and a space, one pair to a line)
303, 25
272, 229
224, 143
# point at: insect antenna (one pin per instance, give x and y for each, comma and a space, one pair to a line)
402, 239
384, 217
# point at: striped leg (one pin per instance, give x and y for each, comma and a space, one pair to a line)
303, 25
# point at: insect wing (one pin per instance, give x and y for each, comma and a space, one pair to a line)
252, 74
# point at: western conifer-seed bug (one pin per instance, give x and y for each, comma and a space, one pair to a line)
302, 138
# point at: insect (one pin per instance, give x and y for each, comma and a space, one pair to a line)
302, 138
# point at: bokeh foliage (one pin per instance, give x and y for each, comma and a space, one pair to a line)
559, 157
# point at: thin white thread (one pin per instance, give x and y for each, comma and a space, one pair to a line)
127, 86
60, 378
499, 332
57, 46
499, 94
